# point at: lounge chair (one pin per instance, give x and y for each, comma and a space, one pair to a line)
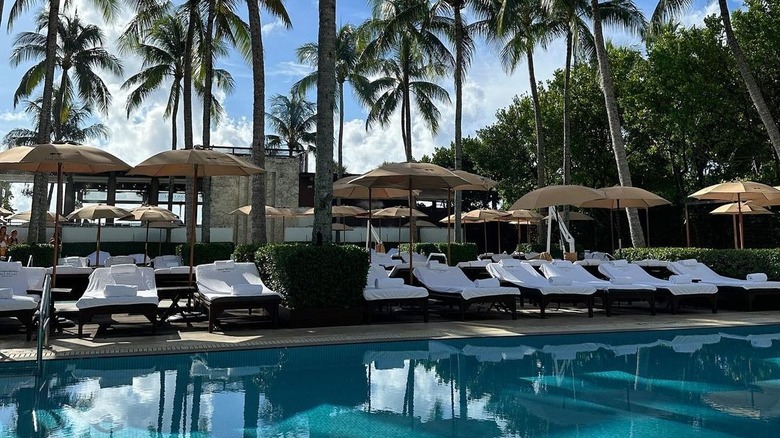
94, 260
119, 289
611, 291
141, 259
678, 287
538, 288
14, 300
381, 290
475, 269
75, 278
120, 260
450, 285
755, 284
226, 285
166, 261
73, 261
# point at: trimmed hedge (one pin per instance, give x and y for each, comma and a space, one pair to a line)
42, 254
461, 252
246, 252
206, 252
735, 263
314, 277
118, 248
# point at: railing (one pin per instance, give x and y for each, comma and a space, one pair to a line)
44, 320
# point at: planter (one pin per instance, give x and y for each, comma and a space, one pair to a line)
300, 318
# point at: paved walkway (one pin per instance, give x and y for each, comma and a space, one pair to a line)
124, 339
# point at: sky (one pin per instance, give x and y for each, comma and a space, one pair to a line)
487, 88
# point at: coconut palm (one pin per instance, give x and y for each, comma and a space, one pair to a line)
409, 55
275, 8
669, 9
348, 69
627, 15
293, 118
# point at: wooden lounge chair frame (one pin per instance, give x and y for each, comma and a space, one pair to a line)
146, 309
508, 301
26, 317
371, 305
215, 308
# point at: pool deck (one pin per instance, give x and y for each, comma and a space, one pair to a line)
124, 339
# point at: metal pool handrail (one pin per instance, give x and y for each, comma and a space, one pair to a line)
44, 320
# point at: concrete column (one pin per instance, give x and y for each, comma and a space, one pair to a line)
111, 193
154, 191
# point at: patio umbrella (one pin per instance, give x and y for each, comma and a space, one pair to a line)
485, 215
734, 210
341, 227
269, 211
164, 225
556, 195
738, 191
522, 217
4, 212
618, 197
195, 163
149, 214
340, 211
346, 190
98, 212
24, 216
397, 212
574, 216
409, 176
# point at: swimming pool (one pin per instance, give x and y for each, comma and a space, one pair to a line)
713, 383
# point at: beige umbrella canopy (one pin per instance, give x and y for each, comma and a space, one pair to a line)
394, 212
194, 163
618, 197
97, 212
485, 215
341, 227
421, 224
738, 191
574, 216
24, 216
735, 210
149, 214
59, 158
340, 211
344, 189
474, 182
556, 195
269, 211
4, 212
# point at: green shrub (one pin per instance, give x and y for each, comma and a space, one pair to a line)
735, 263
246, 252
206, 252
460, 252
42, 254
83, 249
313, 277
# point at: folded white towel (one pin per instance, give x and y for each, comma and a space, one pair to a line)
621, 280
681, 279
757, 277
688, 262
561, 263
246, 289
559, 280
225, 265
436, 266
120, 290
509, 262
6, 293
487, 282
620, 262
123, 269
388, 283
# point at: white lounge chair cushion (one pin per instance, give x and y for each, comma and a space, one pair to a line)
246, 289
380, 287
120, 290
76, 262
651, 263
557, 280
436, 266
388, 283
509, 262
119, 260
681, 279
757, 277
217, 280
452, 280
173, 270
18, 302
639, 276
95, 295
72, 270
6, 293
93, 258
166, 261
621, 280
487, 282
474, 264
581, 277
704, 273
524, 275
123, 269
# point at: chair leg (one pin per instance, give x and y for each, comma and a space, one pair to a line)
589, 302
675, 304
425, 309
652, 304
512, 304
714, 299
463, 307
542, 305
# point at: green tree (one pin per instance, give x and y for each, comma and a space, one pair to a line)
293, 118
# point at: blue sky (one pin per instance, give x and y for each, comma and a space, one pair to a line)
487, 89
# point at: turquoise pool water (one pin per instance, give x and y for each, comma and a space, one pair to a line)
703, 383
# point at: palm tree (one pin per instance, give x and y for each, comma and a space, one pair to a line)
406, 35
276, 8
293, 118
667, 9
326, 89
348, 69
626, 14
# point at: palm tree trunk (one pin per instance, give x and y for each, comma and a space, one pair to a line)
174, 144
340, 170
541, 181
208, 61
59, 101
326, 88
750, 82
566, 121
258, 123
458, 76
189, 196
613, 116
37, 228
408, 120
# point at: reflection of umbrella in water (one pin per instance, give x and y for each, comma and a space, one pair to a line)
98, 212
195, 163
734, 210
761, 402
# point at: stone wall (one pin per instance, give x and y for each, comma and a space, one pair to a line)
232, 192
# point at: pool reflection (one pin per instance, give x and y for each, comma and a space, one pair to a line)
679, 383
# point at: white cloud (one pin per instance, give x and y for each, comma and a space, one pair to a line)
272, 28
290, 69
695, 17
13, 116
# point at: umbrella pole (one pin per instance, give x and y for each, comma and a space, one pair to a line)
612, 230
411, 236
484, 234
499, 236
734, 224
57, 227
647, 217
741, 223
620, 235
449, 228
194, 218
688, 228
146, 244
368, 232
97, 249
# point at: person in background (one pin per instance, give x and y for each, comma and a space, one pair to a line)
3, 241
13, 239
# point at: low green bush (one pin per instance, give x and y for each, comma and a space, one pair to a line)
42, 254
246, 252
314, 277
206, 252
460, 252
735, 263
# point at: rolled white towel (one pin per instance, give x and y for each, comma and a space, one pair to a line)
388, 283
246, 289
688, 262
559, 280
120, 290
620, 262
621, 280
6, 293
225, 265
436, 266
123, 269
681, 279
487, 282
509, 262
757, 277
561, 263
